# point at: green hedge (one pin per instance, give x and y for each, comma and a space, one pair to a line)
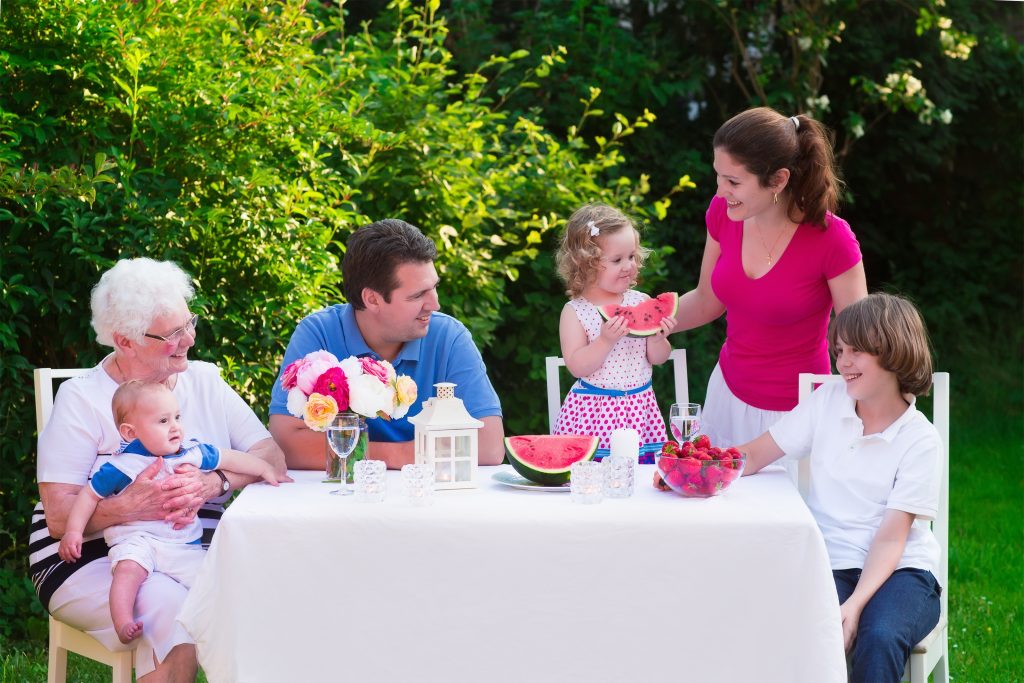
246, 142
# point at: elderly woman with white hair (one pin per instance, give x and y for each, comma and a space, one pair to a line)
140, 308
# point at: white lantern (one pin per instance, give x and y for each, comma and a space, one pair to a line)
447, 438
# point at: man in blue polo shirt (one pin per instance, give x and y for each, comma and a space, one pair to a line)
392, 314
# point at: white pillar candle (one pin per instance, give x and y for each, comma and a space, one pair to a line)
625, 443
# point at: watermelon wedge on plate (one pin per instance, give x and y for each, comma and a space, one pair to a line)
546, 458
644, 319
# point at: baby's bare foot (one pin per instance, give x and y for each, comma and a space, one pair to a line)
130, 631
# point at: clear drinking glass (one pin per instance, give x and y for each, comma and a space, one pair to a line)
586, 482
342, 437
418, 481
684, 421
370, 480
618, 476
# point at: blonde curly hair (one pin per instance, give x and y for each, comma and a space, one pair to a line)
579, 255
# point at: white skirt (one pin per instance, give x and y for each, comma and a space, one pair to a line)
83, 601
728, 421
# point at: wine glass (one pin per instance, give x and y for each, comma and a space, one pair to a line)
342, 437
684, 421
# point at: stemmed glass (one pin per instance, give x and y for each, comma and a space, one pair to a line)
342, 436
684, 421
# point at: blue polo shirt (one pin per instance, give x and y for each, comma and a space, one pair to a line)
446, 354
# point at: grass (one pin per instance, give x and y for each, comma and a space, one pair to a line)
29, 666
986, 558
986, 555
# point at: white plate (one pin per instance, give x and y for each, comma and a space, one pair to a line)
515, 481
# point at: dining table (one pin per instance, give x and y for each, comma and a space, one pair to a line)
507, 582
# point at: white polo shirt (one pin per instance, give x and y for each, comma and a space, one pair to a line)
856, 478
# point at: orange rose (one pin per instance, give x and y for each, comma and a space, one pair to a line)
320, 410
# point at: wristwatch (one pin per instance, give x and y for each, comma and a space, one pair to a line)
225, 485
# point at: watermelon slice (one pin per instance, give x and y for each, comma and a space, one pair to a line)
644, 319
546, 458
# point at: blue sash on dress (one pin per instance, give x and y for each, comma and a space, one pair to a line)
587, 389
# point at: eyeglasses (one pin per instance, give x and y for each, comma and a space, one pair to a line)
176, 335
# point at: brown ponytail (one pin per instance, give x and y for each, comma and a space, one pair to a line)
765, 141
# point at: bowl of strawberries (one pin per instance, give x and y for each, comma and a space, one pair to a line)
697, 469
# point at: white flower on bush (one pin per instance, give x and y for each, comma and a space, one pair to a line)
819, 104
368, 396
946, 116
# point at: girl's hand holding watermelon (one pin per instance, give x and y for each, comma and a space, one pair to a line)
658, 346
614, 329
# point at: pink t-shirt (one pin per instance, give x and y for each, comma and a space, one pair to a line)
777, 325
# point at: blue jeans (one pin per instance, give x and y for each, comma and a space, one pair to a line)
901, 612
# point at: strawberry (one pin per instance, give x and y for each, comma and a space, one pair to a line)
713, 475
702, 442
690, 466
671, 449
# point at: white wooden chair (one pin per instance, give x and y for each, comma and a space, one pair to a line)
64, 638
553, 363
932, 653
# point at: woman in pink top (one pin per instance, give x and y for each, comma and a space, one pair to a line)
776, 262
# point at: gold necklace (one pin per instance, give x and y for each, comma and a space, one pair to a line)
765, 244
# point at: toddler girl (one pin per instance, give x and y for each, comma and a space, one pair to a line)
599, 258
875, 477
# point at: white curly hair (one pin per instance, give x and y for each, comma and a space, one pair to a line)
134, 293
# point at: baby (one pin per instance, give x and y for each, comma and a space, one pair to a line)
147, 417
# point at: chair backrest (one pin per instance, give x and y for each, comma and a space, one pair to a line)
553, 363
43, 378
940, 418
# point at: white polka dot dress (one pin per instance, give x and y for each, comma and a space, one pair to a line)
625, 368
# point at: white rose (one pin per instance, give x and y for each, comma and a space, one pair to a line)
367, 396
399, 411
297, 403
352, 368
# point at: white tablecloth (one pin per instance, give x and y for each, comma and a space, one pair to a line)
497, 584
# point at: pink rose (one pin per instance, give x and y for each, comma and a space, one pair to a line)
374, 369
288, 377
308, 374
333, 383
321, 355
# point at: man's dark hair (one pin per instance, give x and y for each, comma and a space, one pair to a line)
374, 253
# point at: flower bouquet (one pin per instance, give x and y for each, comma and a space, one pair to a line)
320, 386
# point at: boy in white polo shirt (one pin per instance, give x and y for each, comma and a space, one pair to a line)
875, 476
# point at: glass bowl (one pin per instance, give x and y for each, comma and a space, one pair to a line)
700, 477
